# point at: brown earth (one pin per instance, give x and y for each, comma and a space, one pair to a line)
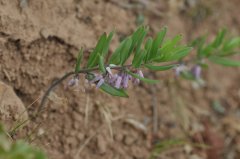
39, 42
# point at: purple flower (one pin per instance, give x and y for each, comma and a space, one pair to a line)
96, 78
136, 81
179, 69
74, 81
100, 82
109, 71
196, 71
125, 80
118, 82
139, 72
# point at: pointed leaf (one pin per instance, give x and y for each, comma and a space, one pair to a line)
79, 59
93, 58
115, 58
101, 64
138, 58
160, 68
231, 44
113, 91
125, 50
219, 39
148, 47
224, 61
107, 43
157, 42
142, 79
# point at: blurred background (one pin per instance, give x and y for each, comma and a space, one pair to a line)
39, 42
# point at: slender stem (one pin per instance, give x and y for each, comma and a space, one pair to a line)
60, 80
57, 82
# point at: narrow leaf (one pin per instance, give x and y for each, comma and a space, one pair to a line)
107, 43
157, 42
148, 47
79, 59
113, 91
93, 58
142, 79
125, 50
138, 58
224, 61
219, 39
101, 64
160, 68
231, 44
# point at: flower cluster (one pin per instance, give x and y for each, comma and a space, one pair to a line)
119, 80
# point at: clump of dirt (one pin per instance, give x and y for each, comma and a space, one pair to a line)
40, 41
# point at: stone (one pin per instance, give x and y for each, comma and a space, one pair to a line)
12, 109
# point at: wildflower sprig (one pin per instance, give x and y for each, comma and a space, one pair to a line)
112, 72
219, 51
144, 54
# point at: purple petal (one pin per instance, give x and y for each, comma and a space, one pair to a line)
118, 82
196, 71
130, 77
179, 69
136, 81
139, 72
109, 71
96, 78
72, 82
100, 82
112, 79
125, 81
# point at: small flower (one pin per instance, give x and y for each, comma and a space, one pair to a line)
109, 71
100, 82
125, 80
136, 81
74, 81
118, 82
96, 78
139, 72
179, 69
196, 71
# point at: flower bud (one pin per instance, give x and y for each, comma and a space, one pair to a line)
118, 82
196, 71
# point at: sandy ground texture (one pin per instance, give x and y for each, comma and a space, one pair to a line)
39, 42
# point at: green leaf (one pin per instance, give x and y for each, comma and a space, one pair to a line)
207, 51
113, 91
148, 47
224, 61
93, 58
79, 59
175, 54
107, 43
160, 68
187, 75
169, 45
138, 58
115, 58
142, 79
180, 53
219, 39
231, 44
101, 64
157, 42
140, 39
166, 145
125, 50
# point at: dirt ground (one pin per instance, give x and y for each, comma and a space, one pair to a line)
39, 42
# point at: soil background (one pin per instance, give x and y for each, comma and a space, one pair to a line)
40, 40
